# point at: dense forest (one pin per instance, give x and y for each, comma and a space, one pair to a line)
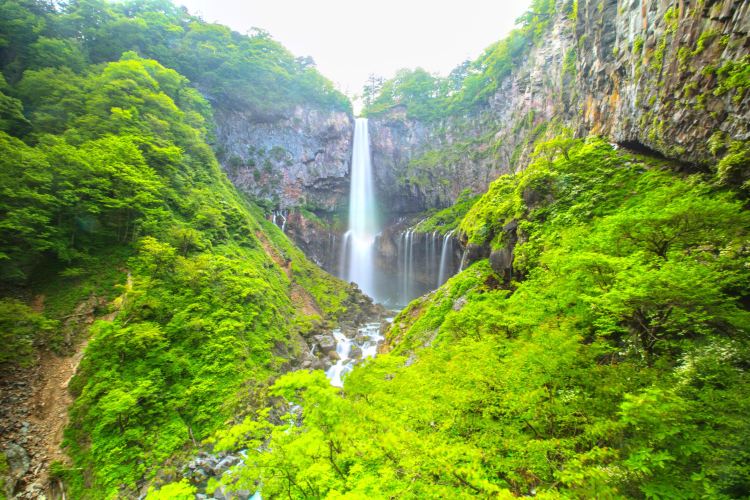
593, 345
611, 362
110, 188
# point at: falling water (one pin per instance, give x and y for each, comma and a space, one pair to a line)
463, 260
343, 256
444, 255
407, 268
363, 224
282, 214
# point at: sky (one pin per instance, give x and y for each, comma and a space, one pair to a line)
351, 39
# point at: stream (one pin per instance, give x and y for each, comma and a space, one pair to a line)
352, 350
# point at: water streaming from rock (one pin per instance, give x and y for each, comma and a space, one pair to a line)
280, 214
463, 260
444, 253
363, 220
422, 262
344, 256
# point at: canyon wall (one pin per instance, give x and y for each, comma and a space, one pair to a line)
660, 76
301, 159
657, 76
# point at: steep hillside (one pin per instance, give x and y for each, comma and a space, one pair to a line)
115, 209
602, 354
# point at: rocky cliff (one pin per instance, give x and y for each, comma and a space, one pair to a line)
301, 159
663, 74
660, 76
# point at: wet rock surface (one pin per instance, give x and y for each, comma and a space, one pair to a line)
352, 347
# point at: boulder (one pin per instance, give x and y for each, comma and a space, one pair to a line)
18, 461
326, 342
474, 253
501, 262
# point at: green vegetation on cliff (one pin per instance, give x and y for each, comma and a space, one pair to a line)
613, 363
448, 219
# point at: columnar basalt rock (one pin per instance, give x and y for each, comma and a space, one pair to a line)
653, 75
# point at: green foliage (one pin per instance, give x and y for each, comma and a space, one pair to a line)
415, 89
734, 78
20, 330
569, 63
4, 469
106, 172
448, 219
246, 70
734, 168
638, 45
616, 368
174, 491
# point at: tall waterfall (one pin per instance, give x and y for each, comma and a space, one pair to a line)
363, 221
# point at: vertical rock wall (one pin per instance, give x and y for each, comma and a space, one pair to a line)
664, 75
658, 73
301, 159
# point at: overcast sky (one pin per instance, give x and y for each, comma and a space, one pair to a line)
350, 39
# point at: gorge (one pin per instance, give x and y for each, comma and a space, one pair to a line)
526, 278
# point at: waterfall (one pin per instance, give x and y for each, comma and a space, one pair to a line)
445, 254
432, 268
363, 224
279, 213
407, 268
463, 260
343, 254
430, 254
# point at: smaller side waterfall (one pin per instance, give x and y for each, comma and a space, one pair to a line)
280, 215
444, 253
463, 261
421, 263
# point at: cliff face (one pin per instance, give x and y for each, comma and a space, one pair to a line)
659, 75
298, 160
433, 162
